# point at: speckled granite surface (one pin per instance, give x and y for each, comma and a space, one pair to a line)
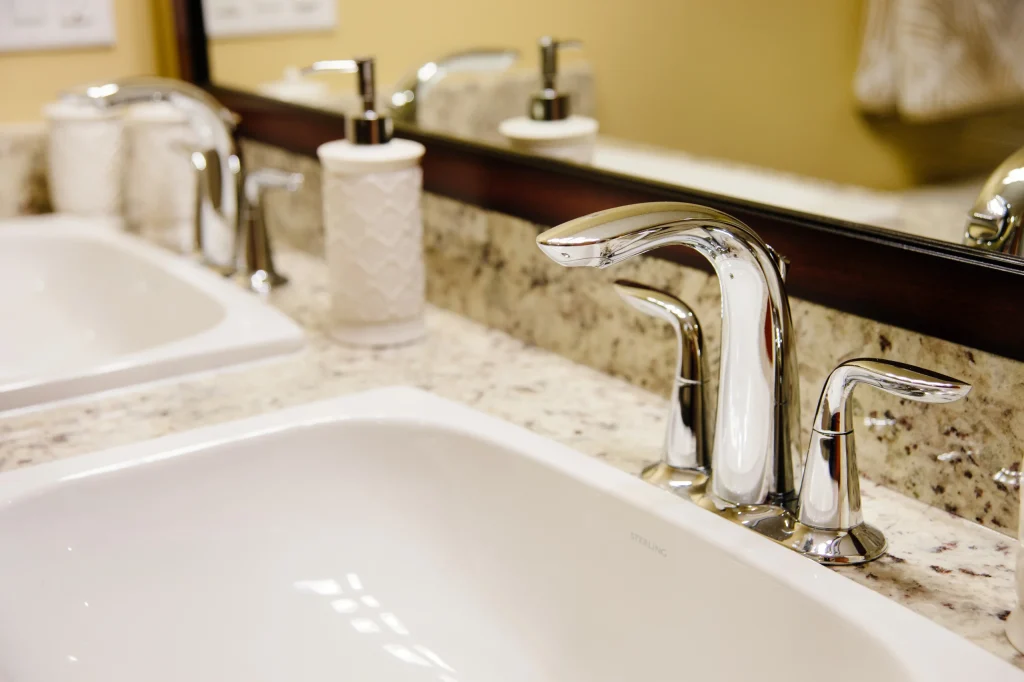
23, 169
485, 265
957, 573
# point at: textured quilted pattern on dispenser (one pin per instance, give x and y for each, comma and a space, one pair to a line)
374, 245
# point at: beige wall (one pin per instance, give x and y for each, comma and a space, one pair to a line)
30, 79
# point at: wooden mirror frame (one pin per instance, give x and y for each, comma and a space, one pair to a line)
963, 295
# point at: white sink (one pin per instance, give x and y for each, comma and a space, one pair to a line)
394, 536
87, 308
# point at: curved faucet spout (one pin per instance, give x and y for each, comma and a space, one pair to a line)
212, 123
755, 459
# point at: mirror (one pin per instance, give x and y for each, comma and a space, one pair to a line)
854, 110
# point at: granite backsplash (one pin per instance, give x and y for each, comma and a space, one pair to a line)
485, 265
23, 169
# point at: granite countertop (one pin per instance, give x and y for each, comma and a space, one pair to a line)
957, 573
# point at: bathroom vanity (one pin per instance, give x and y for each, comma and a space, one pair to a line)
249, 513
200, 479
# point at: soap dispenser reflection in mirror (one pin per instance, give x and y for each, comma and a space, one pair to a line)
550, 129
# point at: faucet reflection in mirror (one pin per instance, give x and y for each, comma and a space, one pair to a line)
412, 87
994, 222
755, 468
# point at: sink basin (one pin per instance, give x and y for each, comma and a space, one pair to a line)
87, 308
395, 536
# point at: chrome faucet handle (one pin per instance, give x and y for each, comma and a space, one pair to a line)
257, 271
262, 179
830, 503
686, 459
549, 104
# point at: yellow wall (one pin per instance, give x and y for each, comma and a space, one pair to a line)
765, 83
768, 83
31, 79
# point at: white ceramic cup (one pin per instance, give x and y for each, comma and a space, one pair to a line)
159, 184
86, 158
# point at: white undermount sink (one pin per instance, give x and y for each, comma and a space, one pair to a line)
395, 536
87, 308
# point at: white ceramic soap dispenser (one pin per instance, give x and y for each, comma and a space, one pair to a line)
550, 129
373, 230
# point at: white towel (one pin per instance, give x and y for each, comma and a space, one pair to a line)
929, 60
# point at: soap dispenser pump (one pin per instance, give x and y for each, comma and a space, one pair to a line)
550, 128
373, 228
369, 127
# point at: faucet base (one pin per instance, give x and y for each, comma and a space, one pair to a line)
260, 281
222, 270
691, 481
831, 547
857, 545
202, 259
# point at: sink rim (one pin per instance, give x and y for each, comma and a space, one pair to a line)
930, 652
250, 328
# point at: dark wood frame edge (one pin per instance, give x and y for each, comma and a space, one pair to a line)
934, 288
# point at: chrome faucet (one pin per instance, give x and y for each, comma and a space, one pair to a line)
213, 125
755, 458
754, 464
994, 222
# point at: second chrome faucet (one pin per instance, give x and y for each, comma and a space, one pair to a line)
225, 193
755, 469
